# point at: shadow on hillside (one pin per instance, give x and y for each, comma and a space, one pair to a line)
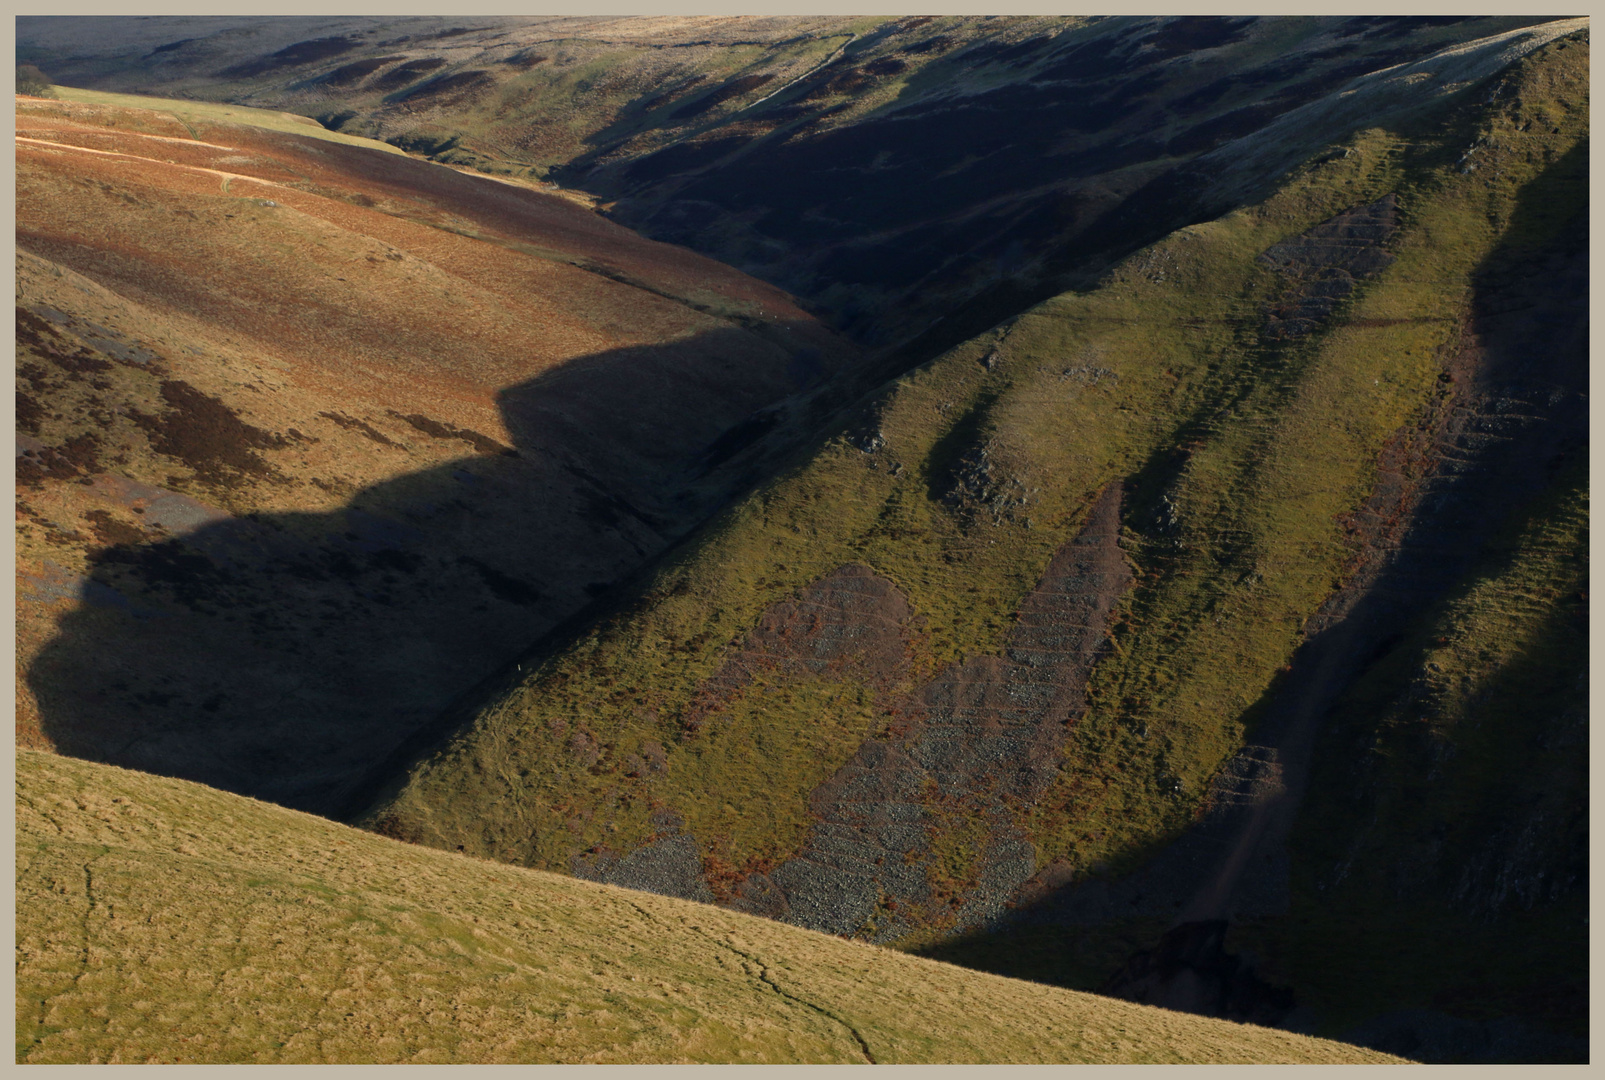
942, 214
283, 655
1518, 427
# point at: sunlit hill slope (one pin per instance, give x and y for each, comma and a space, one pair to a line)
1096, 501
406, 421
1041, 640
161, 921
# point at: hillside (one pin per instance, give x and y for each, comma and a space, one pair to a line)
162, 921
323, 435
1094, 501
1027, 664
917, 180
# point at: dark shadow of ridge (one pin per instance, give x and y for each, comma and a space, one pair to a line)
1517, 428
284, 655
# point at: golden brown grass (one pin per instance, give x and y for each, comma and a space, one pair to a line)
163, 921
325, 295
211, 112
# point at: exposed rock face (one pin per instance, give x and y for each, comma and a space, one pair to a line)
1324, 263
992, 480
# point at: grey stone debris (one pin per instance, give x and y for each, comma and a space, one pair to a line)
671, 866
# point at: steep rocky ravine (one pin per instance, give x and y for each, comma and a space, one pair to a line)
1508, 424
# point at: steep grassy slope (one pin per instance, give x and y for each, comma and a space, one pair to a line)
860, 701
1451, 781
1469, 926
317, 436
162, 921
1445, 844
1206, 633
908, 176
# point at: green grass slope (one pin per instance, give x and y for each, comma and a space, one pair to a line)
1444, 850
163, 921
1247, 456
1432, 896
1242, 455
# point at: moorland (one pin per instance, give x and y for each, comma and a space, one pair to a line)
802, 539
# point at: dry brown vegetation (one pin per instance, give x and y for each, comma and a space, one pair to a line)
248, 354
161, 921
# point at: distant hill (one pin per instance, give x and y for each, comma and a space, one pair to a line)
918, 179
162, 921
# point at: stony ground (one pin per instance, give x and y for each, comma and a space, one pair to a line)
1321, 413
1211, 632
